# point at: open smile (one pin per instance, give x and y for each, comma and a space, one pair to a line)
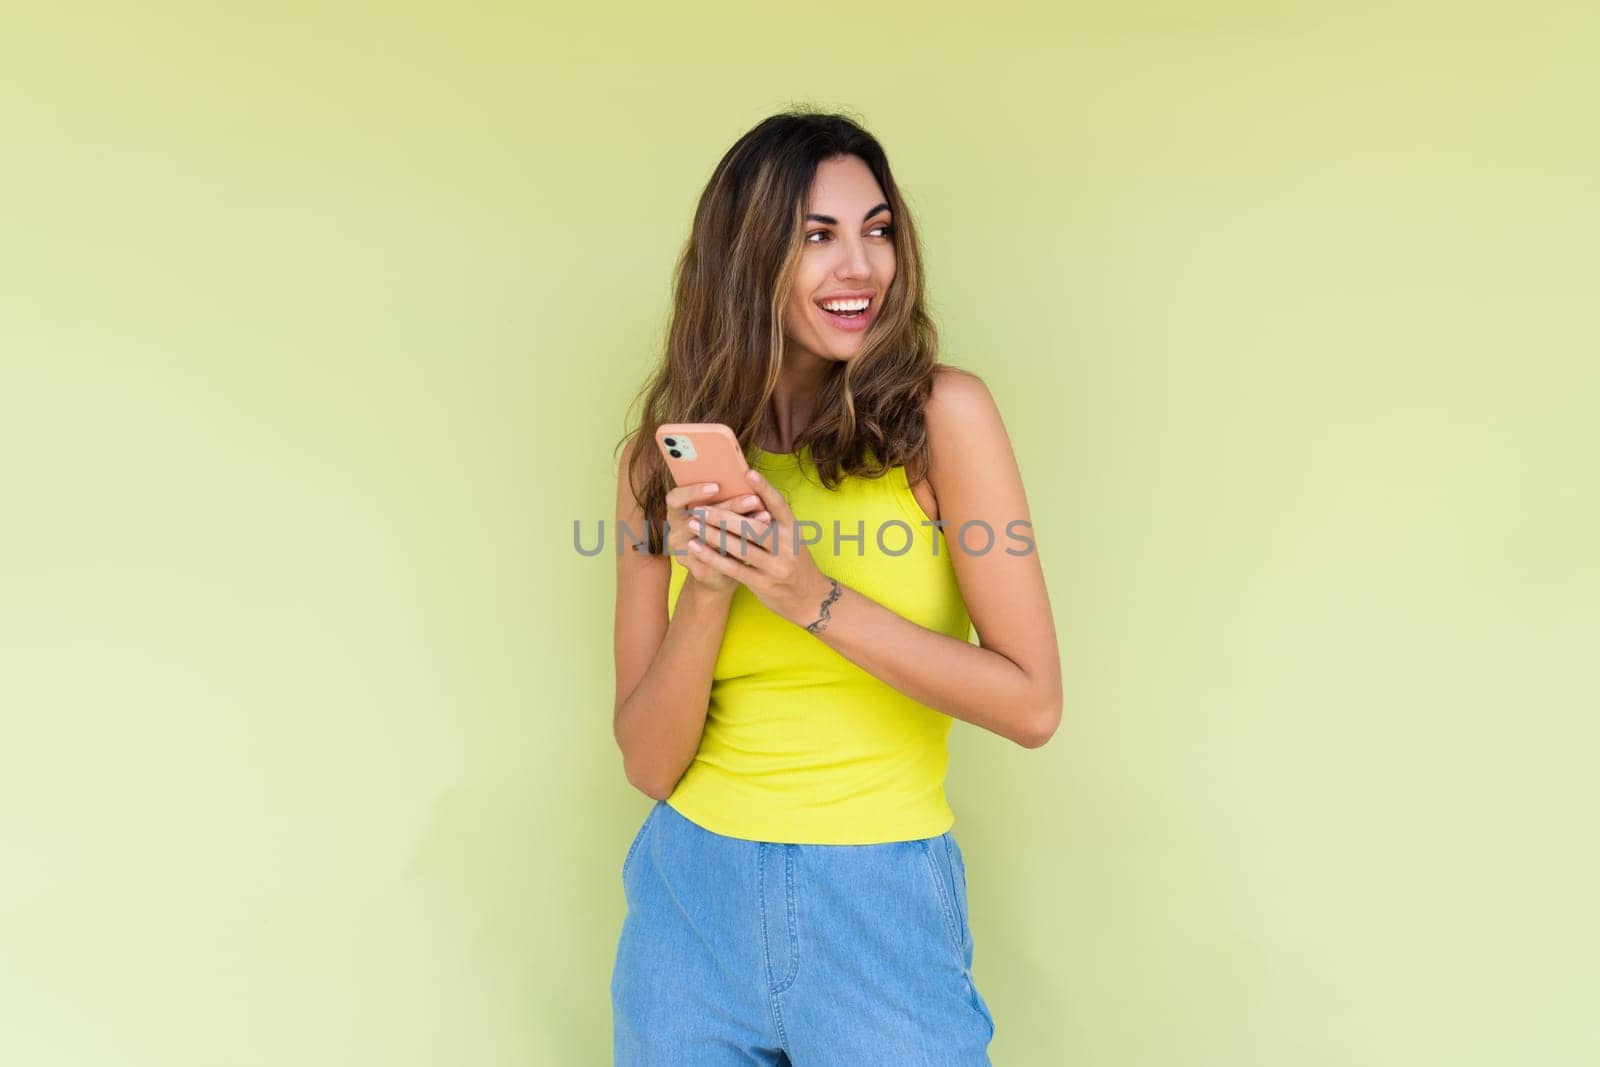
851, 313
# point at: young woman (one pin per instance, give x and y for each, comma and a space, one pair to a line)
796, 894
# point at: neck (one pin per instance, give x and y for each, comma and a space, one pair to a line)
794, 399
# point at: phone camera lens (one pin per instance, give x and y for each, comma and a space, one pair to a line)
676, 454
671, 442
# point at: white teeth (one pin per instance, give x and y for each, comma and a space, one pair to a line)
847, 305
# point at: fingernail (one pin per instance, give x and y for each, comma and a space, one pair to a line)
709, 487
754, 475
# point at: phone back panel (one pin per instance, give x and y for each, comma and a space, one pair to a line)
712, 455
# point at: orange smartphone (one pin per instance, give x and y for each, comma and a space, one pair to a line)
698, 452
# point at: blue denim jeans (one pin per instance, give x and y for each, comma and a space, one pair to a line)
751, 952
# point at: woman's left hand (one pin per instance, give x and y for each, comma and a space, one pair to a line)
774, 566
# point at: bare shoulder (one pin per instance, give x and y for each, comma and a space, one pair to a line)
629, 513
626, 499
956, 390
961, 411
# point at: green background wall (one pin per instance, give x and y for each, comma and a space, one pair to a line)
317, 327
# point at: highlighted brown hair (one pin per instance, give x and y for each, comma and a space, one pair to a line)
725, 344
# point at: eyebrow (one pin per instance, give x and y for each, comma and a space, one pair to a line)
831, 221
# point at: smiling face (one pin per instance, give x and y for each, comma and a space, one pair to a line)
847, 260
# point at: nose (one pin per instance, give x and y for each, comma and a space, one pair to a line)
854, 264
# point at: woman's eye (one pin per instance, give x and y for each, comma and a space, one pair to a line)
887, 230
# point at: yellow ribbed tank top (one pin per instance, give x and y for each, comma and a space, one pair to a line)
801, 746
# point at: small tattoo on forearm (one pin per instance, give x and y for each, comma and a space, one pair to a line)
816, 627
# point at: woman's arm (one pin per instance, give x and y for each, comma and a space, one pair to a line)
663, 669
1010, 683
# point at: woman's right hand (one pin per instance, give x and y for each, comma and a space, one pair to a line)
692, 502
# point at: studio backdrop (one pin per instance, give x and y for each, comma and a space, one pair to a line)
318, 326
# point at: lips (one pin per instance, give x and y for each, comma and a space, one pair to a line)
847, 294
851, 324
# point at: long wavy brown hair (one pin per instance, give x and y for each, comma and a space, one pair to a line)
725, 343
